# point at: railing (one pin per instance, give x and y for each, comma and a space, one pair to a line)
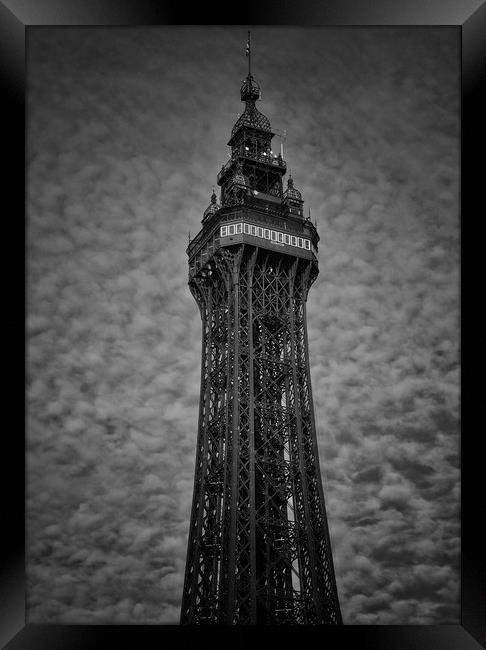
200, 239
263, 214
269, 159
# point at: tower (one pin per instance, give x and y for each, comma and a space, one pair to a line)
259, 549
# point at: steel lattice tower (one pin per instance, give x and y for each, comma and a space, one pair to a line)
259, 549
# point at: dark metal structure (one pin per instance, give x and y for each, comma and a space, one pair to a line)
259, 549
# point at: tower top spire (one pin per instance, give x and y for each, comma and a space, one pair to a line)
250, 90
248, 53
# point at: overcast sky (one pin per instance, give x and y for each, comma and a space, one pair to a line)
127, 130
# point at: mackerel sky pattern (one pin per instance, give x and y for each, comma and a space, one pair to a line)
127, 130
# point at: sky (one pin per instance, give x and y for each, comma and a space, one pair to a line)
127, 130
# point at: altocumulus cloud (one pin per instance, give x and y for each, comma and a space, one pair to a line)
126, 132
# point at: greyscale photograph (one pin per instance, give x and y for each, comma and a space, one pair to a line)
243, 325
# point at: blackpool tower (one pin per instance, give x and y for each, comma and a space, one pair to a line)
259, 550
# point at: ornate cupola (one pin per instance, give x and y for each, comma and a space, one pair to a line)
251, 117
237, 187
293, 199
212, 208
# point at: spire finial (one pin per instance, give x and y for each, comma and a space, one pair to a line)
250, 90
248, 53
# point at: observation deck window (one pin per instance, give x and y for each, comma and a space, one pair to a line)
274, 236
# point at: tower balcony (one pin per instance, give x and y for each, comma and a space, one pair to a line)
271, 160
255, 229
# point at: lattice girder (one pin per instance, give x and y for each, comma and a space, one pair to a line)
259, 548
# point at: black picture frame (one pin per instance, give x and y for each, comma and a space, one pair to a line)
470, 18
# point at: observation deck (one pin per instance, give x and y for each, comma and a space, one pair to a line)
259, 223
